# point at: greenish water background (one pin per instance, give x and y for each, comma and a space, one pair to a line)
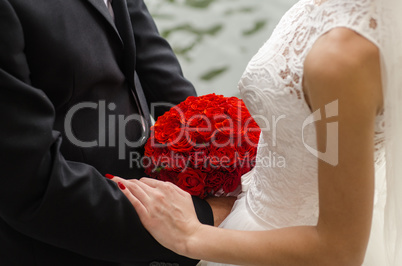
215, 39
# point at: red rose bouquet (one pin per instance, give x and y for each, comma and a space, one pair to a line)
203, 145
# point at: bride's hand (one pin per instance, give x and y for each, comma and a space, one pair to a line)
165, 210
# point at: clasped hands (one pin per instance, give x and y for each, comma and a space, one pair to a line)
167, 211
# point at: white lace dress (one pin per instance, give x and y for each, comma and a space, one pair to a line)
282, 190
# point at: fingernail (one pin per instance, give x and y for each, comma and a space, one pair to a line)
109, 176
121, 186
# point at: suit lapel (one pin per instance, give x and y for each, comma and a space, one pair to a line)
100, 6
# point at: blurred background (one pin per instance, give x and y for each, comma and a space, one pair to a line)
215, 39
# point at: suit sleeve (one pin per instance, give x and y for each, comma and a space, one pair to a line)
63, 203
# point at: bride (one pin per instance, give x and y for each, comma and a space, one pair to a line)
330, 71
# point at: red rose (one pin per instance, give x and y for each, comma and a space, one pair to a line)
215, 181
199, 127
182, 144
167, 176
222, 157
251, 132
193, 181
232, 181
198, 158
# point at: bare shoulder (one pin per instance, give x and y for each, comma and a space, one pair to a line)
344, 62
340, 51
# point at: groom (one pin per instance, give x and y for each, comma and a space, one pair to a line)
77, 81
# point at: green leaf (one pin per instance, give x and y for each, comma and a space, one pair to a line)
214, 73
199, 3
258, 25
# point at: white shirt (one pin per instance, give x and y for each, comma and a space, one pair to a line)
109, 7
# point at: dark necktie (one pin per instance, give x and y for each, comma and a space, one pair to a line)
123, 25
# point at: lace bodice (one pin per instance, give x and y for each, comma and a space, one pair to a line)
282, 189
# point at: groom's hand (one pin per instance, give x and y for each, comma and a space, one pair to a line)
221, 207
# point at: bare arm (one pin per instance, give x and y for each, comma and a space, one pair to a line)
342, 66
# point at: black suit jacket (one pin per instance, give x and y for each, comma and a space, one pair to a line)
67, 60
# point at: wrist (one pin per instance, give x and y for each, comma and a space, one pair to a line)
195, 243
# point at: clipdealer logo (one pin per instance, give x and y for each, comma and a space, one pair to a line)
114, 121
330, 155
120, 122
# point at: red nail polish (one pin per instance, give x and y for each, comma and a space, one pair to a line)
109, 176
121, 186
